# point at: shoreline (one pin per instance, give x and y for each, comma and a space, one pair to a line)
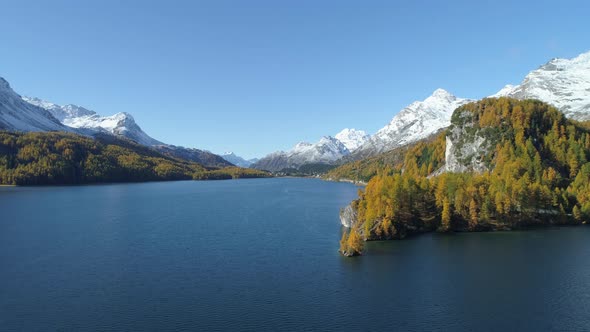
355, 182
127, 182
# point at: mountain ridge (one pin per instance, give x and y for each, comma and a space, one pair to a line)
237, 160
563, 83
327, 150
16, 114
416, 121
29, 114
119, 124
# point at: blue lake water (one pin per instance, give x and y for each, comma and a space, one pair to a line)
261, 254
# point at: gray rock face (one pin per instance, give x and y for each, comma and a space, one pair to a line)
347, 216
467, 145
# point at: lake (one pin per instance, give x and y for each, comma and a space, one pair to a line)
261, 254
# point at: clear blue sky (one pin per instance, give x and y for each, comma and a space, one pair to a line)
257, 76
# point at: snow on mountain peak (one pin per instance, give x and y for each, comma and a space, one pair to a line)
327, 149
418, 120
504, 91
564, 83
17, 114
352, 138
62, 113
442, 93
302, 146
438, 98
121, 124
237, 160
582, 58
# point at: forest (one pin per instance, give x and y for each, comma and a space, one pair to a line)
364, 169
63, 158
538, 173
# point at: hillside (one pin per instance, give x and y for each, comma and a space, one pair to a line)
121, 124
17, 114
237, 160
417, 121
506, 164
202, 157
363, 170
39, 158
26, 114
326, 152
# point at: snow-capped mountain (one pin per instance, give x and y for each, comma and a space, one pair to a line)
352, 138
123, 125
564, 83
237, 160
33, 114
120, 124
17, 114
417, 121
62, 113
326, 151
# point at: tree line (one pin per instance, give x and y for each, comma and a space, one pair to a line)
41, 158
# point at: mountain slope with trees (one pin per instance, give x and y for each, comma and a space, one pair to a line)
39, 158
523, 163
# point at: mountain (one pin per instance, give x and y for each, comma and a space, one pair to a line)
38, 158
503, 164
28, 114
352, 138
326, 151
563, 83
202, 157
237, 160
419, 120
62, 113
120, 124
18, 115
